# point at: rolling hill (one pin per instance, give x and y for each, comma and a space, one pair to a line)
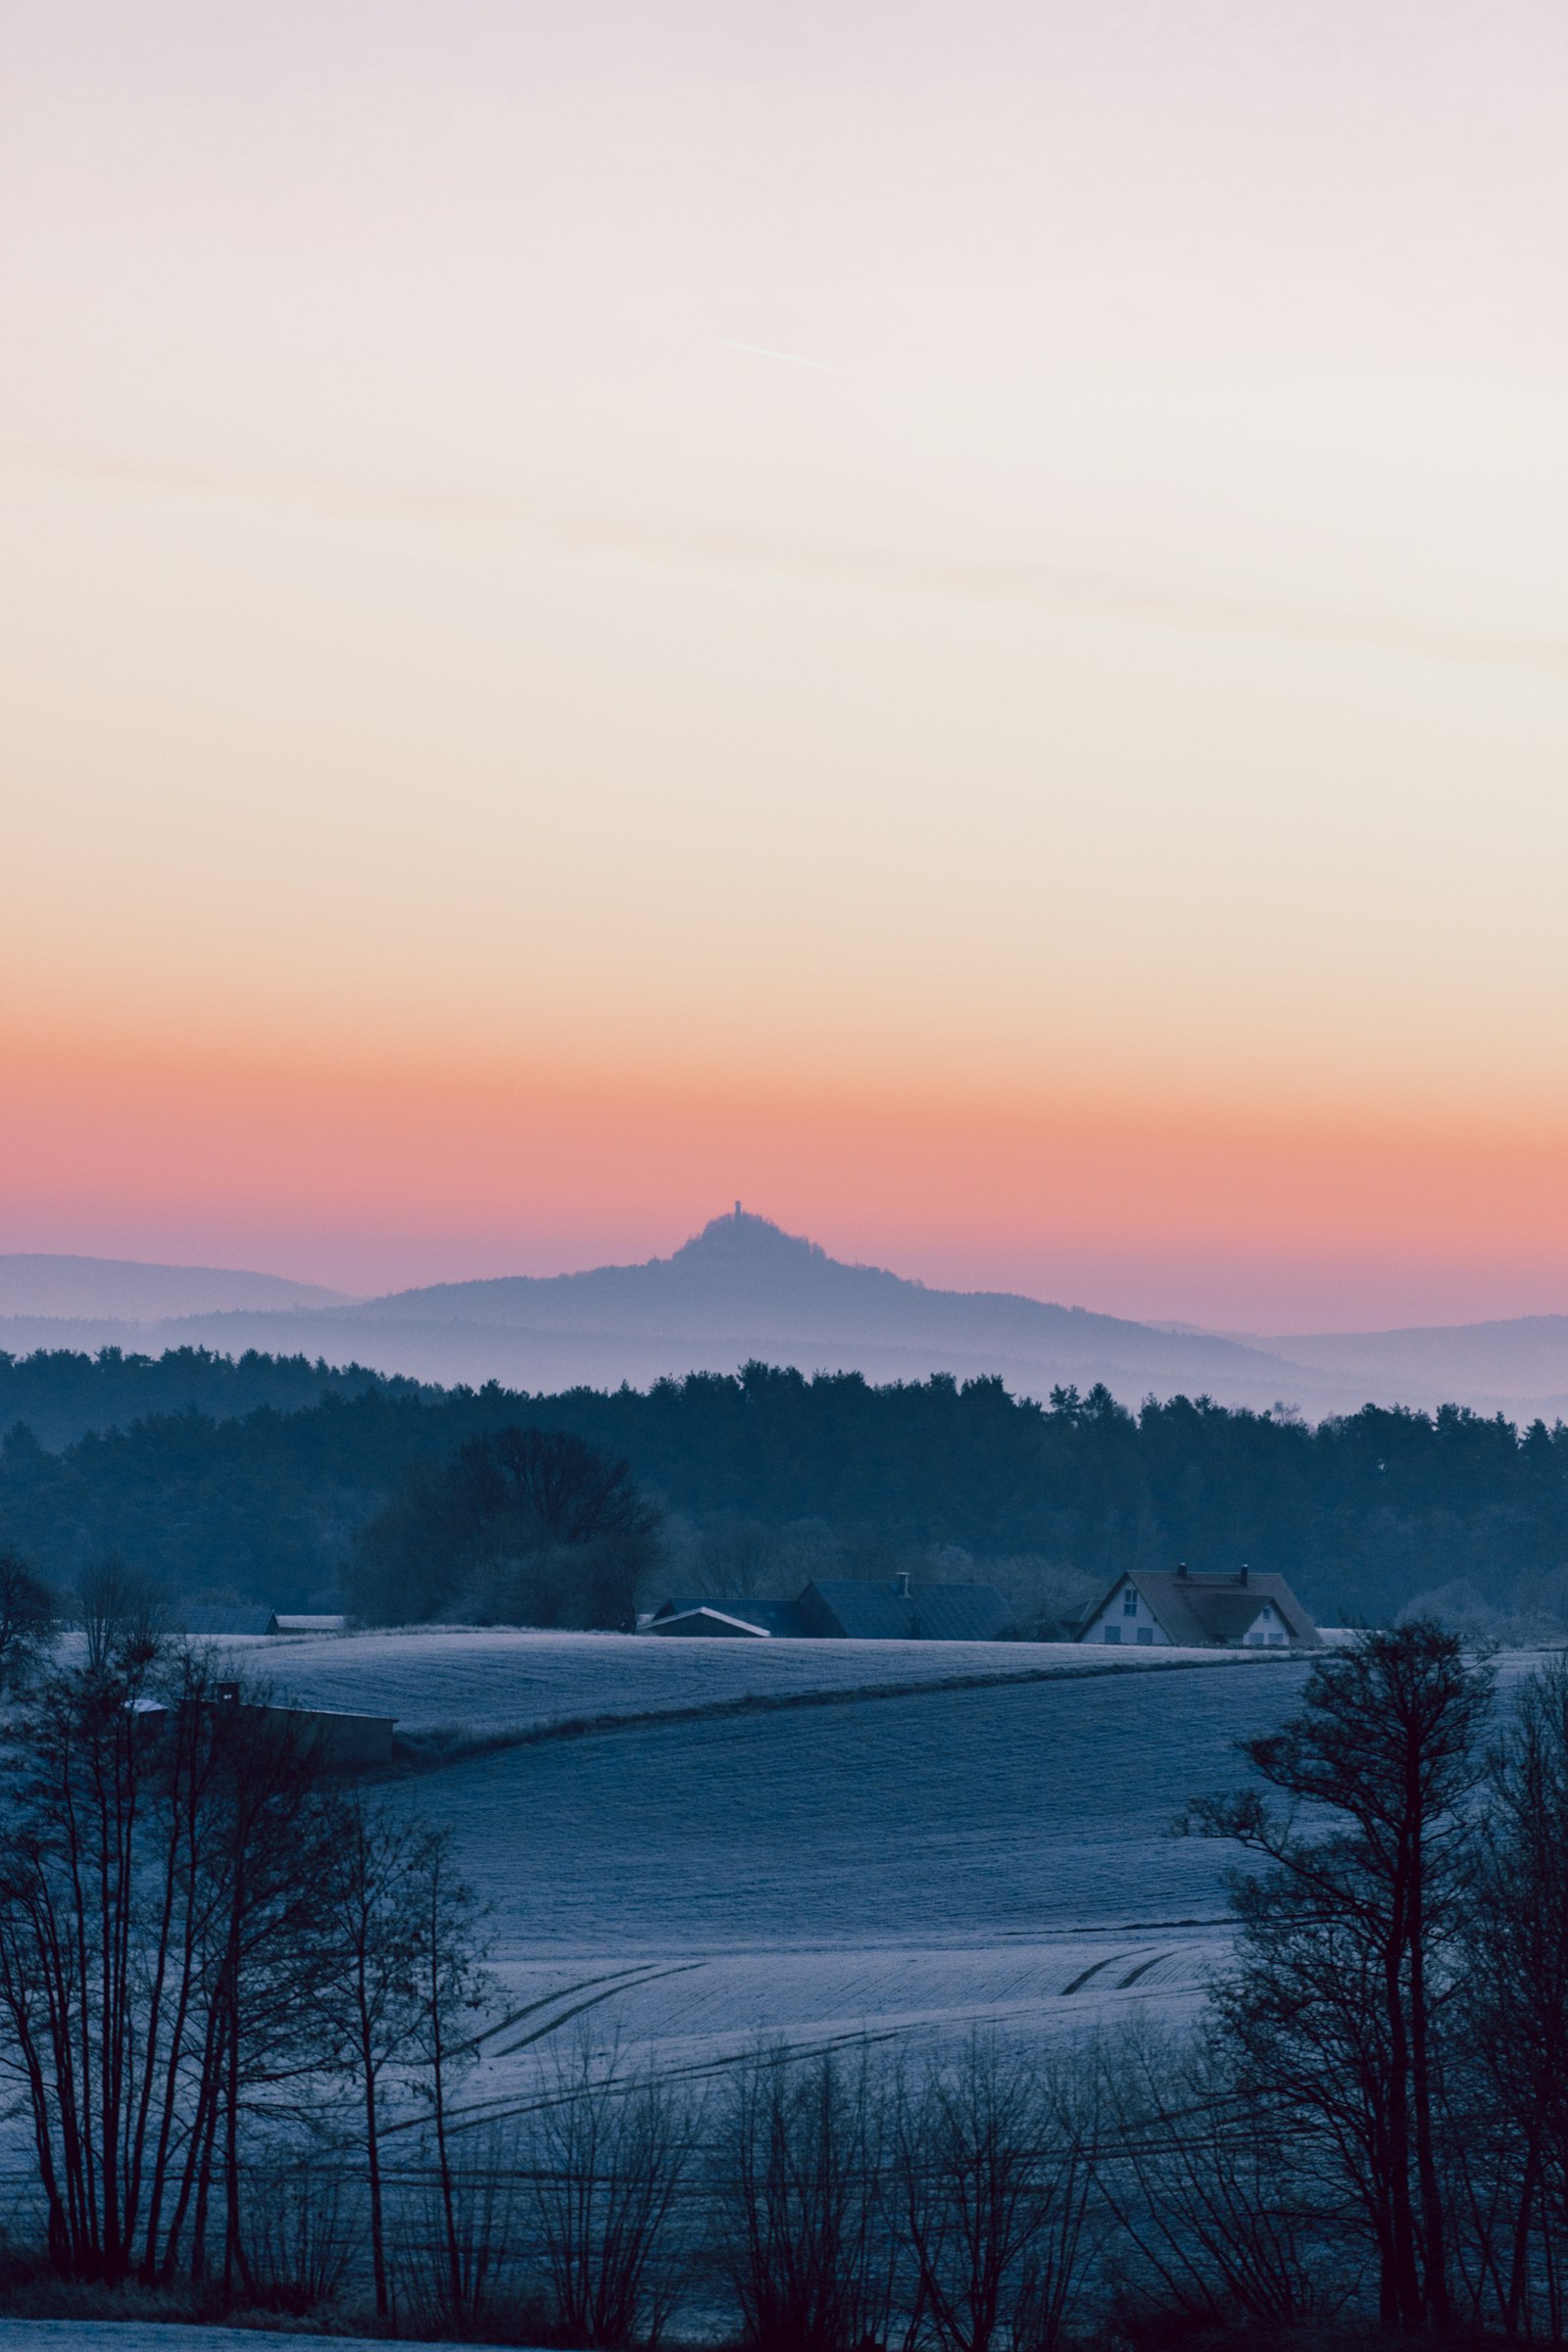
743, 1289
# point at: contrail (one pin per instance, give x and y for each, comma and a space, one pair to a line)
1059, 590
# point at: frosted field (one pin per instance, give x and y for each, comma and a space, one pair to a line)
906, 1867
693, 1871
489, 1682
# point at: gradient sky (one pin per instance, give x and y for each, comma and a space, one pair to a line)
951, 621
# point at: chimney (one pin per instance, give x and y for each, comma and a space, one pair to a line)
1181, 1567
737, 1208
1242, 1579
901, 1584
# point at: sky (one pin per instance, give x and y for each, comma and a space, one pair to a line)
951, 621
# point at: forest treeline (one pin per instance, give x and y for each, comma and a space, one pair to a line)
61, 1393
766, 1475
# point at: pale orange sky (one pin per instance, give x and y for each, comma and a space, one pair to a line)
953, 622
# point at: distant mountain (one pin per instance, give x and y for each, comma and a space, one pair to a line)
743, 1280
1526, 1355
743, 1288
125, 1290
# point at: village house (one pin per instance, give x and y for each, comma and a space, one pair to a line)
1174, 1609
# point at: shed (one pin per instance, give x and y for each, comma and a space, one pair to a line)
342, 1742
896, 1609
1160, 1608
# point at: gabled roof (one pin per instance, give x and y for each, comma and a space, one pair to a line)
1198, 1612
867, 1609
779, 1617
705, 1619
207, 1622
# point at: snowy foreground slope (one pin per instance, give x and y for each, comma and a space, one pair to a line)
911, 1865
809, 1840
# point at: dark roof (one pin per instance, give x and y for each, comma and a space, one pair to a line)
1203, 1612
228, 1621
782, 1617
863, 1610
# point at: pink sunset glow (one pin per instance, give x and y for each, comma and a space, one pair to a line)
950, 622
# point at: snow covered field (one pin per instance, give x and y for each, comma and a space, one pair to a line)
908, 1866
437, 1678
923, 1853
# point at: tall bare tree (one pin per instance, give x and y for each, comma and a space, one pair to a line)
449, 1987
1349, 1941
367, 1989
150, 1827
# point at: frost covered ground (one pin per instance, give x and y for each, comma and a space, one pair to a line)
889, 1843
911, 1865
440, 1678
907, 1865
956, 1835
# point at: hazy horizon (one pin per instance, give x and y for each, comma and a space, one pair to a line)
29, 1280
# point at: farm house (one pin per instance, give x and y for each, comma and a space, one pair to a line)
1173, 1608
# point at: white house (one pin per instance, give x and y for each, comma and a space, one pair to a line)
1155, 1609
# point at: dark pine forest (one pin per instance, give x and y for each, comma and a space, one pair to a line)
254, 1480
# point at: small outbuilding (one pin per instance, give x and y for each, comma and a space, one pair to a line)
336, 1740
897, 1609
726, 1617
216, 1624
1174, 1609
847, 1609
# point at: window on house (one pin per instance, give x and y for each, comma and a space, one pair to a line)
1113, 1633
1129, 1603
1146, 1635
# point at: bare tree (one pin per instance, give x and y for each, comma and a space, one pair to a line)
1509, 2106
1213, 2192
367, 1989
994, 2173
1350, 1933
608, 2154
801, 2203
145, 1820
449, 1986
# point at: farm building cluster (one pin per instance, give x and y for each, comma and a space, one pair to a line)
1146, 1608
